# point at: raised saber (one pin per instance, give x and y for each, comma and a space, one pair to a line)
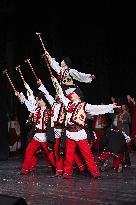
31, 67
18, 68
45, 51
47, 62
5, 72
39, 35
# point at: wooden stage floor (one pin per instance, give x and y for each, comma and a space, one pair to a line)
37, 188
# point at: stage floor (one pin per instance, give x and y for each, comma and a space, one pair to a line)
39, 189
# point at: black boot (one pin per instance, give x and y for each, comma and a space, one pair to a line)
56, 175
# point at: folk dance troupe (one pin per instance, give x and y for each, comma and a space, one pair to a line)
59, 130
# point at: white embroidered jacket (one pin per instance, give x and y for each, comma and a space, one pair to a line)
88, 109
76, 75
56, 110
30, 102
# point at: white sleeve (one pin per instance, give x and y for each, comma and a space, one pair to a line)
30, 95
47, 95
31, 107
59, 90
127, 138
22, 98
31, 99
98, 109
82, 77
29, 90
55, 65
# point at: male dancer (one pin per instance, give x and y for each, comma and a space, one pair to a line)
40, 115
75, 128
58, 113
113, 144
67, 75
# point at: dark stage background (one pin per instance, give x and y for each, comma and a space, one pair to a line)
99, 38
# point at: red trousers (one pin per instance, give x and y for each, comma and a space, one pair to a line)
34, 161
117, 159
79, 161
58, 158
33, 146
87, 154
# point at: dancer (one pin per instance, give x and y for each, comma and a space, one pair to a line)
113, 144
67, 75
41, 120
75, 124
58, 113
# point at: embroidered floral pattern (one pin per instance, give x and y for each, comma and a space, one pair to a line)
41, 120
79, 115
